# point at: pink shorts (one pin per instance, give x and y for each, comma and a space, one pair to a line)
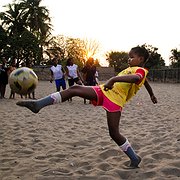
102, 100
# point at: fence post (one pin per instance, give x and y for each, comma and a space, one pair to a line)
165, 75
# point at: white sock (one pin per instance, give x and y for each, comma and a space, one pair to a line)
57, 97
125, 146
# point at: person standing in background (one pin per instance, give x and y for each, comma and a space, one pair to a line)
58, 75
3, 77
89, 74
11, 69
96, 75
73, 74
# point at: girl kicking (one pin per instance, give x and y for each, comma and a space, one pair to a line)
111, 96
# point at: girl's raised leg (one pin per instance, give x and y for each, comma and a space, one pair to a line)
58, 97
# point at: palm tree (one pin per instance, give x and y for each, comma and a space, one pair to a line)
14, 26
3, 38
26, 15
22, 43
38, 20
12, 19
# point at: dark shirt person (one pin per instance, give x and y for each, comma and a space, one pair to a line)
3, 77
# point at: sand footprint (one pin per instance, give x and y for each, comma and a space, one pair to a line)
174, 171
58, 171
160, 156
104, 166
109, 153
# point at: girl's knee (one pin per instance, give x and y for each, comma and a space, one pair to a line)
117, 137
75, 88
114, 134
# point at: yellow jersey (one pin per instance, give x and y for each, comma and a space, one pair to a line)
123, 91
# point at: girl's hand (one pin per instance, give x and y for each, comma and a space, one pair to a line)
153, 99
108, 85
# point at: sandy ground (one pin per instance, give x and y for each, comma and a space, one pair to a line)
70, 141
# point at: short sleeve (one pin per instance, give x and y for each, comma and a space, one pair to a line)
141, 73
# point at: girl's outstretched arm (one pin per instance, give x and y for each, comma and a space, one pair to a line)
126, 78
150, 91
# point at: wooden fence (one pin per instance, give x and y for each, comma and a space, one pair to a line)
43, 72
165, 75
159, 75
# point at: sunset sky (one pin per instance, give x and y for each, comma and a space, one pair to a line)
118, 24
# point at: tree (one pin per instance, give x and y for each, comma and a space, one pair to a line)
118, 60
65, 47
56, 47
155, 60
28, 27
75, 48
12, 19
3, 39
91, 48
13, 25
38, 21
175, 58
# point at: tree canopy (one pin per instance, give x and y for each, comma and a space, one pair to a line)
66, 47
155, 60
27, 26
118, 60
175, 58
